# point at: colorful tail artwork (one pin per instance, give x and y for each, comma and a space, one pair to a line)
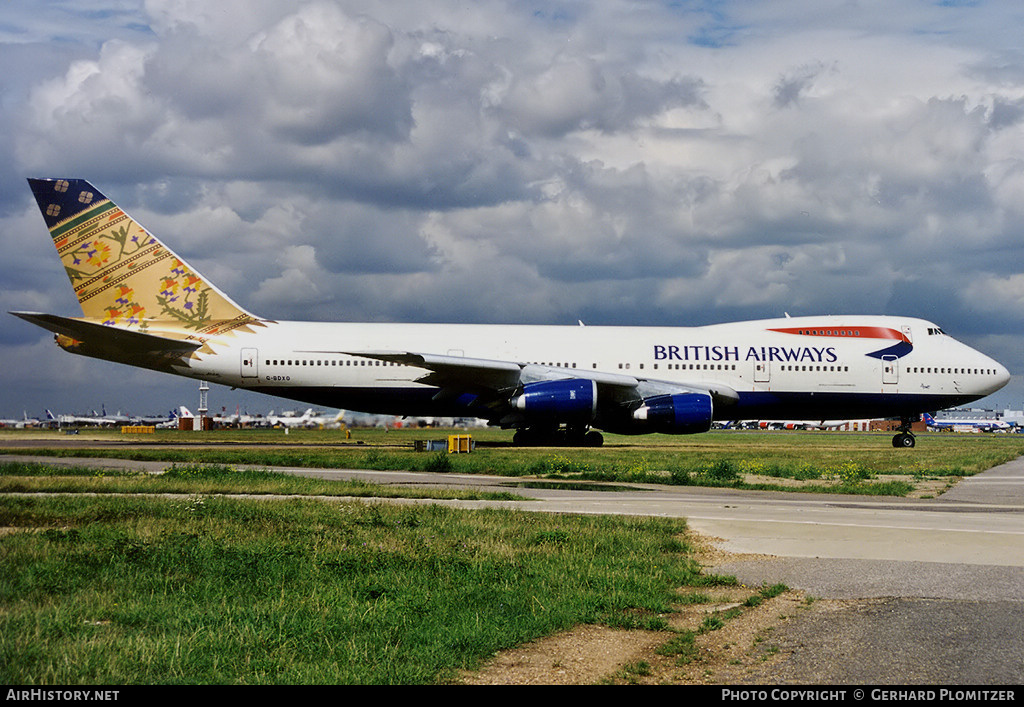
136, 295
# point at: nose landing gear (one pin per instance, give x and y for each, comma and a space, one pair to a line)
905, 438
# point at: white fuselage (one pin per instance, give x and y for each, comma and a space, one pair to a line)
793, 368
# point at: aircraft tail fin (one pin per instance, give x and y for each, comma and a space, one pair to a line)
122, 274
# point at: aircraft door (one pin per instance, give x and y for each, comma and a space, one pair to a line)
762, 372
250, 363
890, 370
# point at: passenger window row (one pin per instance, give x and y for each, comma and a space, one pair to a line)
954, 371
330, 362
695, 366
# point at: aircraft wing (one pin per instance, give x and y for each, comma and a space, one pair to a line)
475, 374
487, 374
456, 375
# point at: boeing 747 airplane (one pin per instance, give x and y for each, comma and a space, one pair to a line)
144, 306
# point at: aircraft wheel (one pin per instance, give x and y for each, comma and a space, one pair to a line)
904, 440
593, 439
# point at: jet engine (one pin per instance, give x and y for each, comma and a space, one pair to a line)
679, 413
570, 401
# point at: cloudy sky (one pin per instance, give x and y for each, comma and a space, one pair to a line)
518, 161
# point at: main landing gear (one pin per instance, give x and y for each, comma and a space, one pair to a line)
905, 438
557, 437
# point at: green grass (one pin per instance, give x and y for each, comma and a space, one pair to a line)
142, 590
194, 478
821, 461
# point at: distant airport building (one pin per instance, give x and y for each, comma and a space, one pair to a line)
893, 425
979, 414
1015, 417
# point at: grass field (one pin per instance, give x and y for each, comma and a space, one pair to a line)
812, 461
204, 479
122, 590
189, 587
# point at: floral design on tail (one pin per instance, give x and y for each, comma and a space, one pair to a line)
125, 277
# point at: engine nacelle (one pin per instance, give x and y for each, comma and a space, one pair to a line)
680, 413
573, 400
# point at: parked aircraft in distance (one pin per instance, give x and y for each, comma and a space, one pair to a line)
809, 424
154, 420
71, 419
237, 419
96, 418
175, 419
102, 419
144, 306
967, 424
24, 422
310, 418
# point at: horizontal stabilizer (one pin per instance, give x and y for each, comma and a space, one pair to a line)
107, 338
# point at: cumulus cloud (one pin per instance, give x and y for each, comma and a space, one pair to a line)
502, 162
577, 93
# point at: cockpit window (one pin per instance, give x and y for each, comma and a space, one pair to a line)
934, 330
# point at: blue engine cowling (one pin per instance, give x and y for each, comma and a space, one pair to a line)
680, 413
573, 400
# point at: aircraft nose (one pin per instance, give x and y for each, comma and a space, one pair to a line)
1002, 375
999, 378
995, 375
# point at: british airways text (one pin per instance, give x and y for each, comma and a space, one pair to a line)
826, 354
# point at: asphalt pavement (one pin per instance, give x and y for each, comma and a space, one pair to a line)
908, 621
